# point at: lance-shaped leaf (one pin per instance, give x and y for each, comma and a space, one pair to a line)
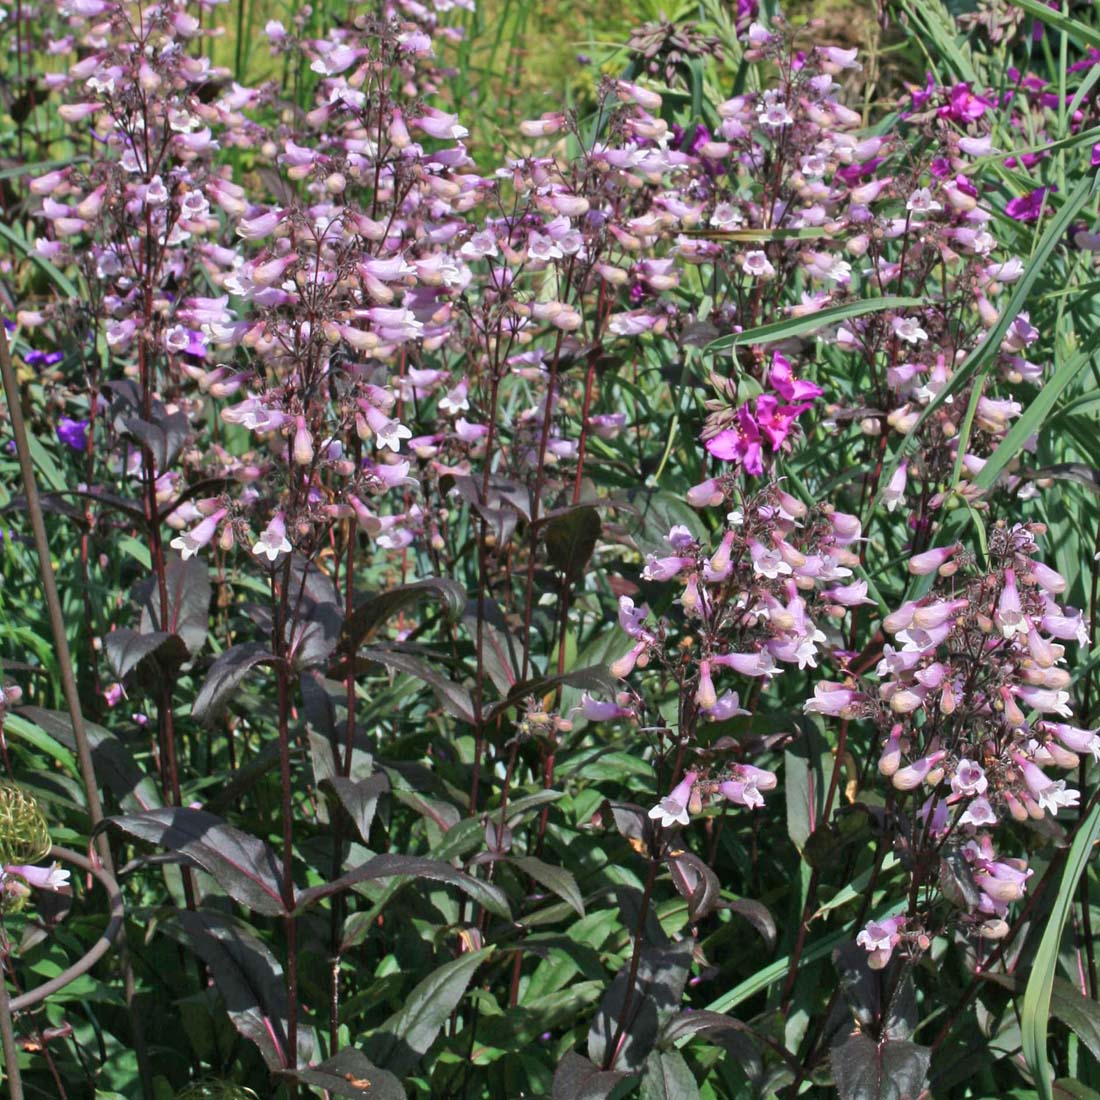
358, 798
658, 988
244, 867
595, 678
571, 539
376, 609
113, 764
247, 975
812, 322
1079, 1013
501, 651
864, 1069
485, 894
187, 587
148, 656
224, 676
576, 1078
405, 1036
668, 1077
696, 882
454, 698
351, 1073
556, 879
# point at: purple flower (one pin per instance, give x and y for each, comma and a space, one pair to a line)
43, 358
73, 433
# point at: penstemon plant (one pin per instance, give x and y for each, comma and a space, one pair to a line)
592, 619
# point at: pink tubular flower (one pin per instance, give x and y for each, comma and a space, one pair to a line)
189, 543
596, 711
624, 666
745, 785
705, 695
848, 595
42, 878
707, 494
673, 808
1009, 616
879, 938
1077, 740
890, 760
835, 700
1050, 794
906, 779
922, 564
272, 541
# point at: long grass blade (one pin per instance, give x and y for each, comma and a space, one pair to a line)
1035, 1010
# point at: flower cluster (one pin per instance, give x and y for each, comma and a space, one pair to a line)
973, 703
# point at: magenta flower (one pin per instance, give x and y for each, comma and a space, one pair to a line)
1029, 207
740, 444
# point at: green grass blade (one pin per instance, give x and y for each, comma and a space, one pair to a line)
798, 326
1035, 1010
1074, 29
1033, 418
64, 283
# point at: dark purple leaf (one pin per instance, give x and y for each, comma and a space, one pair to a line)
404, 1037
758, 915
388, 866
242, 865
247, 975
695, 881
224, 676
864, 1069
668, 1077
351, 1073
187, 585
571, 539
658, 991
358, 798
145, 655
576, 1078
376, 609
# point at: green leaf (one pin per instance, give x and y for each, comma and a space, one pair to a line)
398, 1044
113, 764
556, 879
1035, 1011
454, 698
1079, 1013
